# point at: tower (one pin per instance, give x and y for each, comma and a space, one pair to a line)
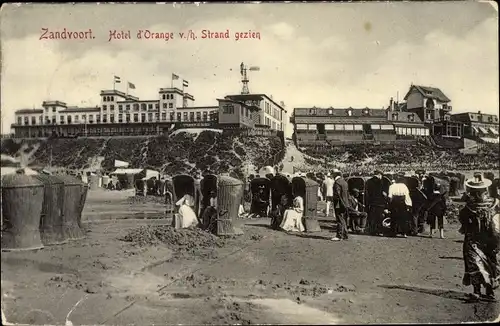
244, 77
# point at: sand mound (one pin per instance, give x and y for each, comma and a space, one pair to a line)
181, 240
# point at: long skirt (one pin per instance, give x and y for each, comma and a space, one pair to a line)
481, 264
292, 221
400, 217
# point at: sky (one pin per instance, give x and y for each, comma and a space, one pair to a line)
310, 54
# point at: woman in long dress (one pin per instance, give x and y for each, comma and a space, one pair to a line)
186, 217
292, 219
480, 221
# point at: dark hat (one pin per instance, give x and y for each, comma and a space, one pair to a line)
377, 172
355, 190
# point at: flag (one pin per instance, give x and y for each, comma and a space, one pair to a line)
254, 68
242, 66
175, 77
131, 86
185, 83
117, 79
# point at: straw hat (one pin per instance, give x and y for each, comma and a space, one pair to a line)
478, 182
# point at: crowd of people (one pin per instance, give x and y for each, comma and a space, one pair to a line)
403, 210
410, 156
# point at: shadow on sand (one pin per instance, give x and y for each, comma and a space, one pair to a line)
447, 294
451, 258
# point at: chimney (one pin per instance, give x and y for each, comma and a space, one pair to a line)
391, 104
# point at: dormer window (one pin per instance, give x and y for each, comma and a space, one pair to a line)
349, 112
366, 111
411, 118
312, 111
395, 116
330, 111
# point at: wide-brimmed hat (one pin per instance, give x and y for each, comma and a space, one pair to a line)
478, 182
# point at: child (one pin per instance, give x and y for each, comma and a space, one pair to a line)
435, 210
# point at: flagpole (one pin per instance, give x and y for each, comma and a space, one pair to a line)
127, 87
114, 83
172, 81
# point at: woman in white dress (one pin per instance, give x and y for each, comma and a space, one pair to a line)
292, 219
186, 217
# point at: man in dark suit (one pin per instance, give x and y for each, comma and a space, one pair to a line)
376, 200
341, 204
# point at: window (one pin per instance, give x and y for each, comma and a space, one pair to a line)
54, 121
77, 118
157, 106
69, 119
172, 116
179, 116
387, 127
157, 116
163, 96
20, 120
61, 119
411, 118
339, 127
170, 105
91, 118
143, 106
33, 120
228, 109
164, 116
104, 118
205, 116
349, 127
127, 117
84, 117
150, 116
54, 109
312, 127
127, 107
395, 116
375, 127
358, 127
136, 106
136, 117
112, 107
349, 113
329, 127
330, 111
312, 111
150, 106
104, 107
40, 119
191, 116
112, 118
164, 105
185, 116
